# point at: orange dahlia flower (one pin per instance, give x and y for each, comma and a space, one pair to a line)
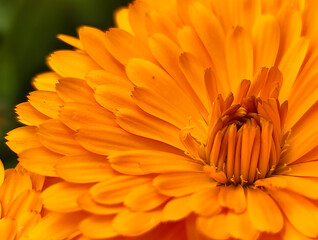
190, 120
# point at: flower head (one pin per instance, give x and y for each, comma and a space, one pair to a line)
190, 120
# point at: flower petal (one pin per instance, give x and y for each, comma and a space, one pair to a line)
176, 209
205, 202
180, 184
301, 212
263, 211
28, 115
62, 197
144, 198
232, 197
131, 224
98, 227
217, 223
46, 81
84, 168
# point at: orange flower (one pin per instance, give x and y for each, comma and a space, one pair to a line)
175, 125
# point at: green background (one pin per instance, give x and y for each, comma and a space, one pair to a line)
28, 30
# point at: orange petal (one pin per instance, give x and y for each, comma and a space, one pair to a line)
57, 137
71, 63
266, 36
144, 198
290, 66
70, 40
39, 160
77, 115
239, 56
46, 102
205, 202
46, 81
84, 168
28, 201
86, 202
306, 169
62, 197
1, 173
93, 41
130, 46
191, 43
147, 161
131, 224
28, 115
75, 90
104, 140
307, 187
22, 138
122, 19
144, 125
8, 228
301, 212
180, 184
232, 197
115, 190
217, 223
263, 211
15, 183
239, 226
65, 223
98, 227
212, 35
176, 209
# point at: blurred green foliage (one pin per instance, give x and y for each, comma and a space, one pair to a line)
28, 30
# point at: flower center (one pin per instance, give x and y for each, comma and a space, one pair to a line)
244, 139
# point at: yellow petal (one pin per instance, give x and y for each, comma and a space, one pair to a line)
62, 197
147, 161
115, 190
98, 227
144, 198
57, 137
22, 138
263, 211
71, 64
232, 197
266, 36
77, 115
39, 160
1, 173
28, 115
131, 224
176, 209
46, 102
205, 202
84, 168
180, 184
46, 81
301, 213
